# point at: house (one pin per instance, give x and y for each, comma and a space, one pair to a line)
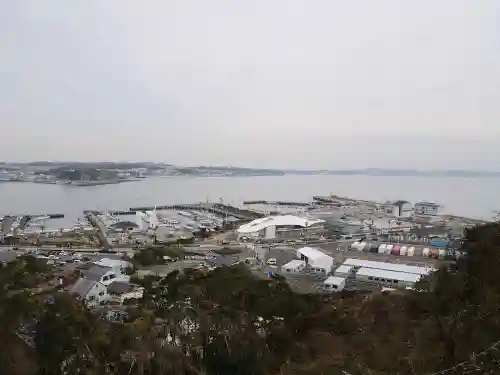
119, 291
427, 208
104, 275
117, 265
92, 293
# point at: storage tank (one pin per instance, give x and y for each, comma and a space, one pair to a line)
403, 251
426, 252
442, 253
382, 248
395, 250
411, 251
434, 253
388, 249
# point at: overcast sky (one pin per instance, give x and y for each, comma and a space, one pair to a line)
261, 83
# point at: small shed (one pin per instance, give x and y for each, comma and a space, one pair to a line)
294, 266
344, 271
334, 284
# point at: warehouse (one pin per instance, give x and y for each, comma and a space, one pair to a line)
390, 278
359, 263
318, 261
334, 284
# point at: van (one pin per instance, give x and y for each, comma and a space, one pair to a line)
271, 262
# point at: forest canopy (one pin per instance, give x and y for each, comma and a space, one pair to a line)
230, 322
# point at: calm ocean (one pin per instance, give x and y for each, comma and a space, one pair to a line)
475, 197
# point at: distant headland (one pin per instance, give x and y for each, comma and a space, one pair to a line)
99, 173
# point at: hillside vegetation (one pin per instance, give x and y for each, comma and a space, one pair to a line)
228, 322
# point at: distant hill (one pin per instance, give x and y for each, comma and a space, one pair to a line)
169, 169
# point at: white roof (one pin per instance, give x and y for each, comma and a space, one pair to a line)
344, 268
384, 274
294, 264
334, 280
280, 220
107, 262
313, 254
388, 266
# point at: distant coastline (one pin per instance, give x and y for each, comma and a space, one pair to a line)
104, 173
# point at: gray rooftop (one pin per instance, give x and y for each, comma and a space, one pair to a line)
119, 287
7, 256
96, 272
82, 287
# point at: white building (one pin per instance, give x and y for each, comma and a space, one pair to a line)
272, 227
399, 208
316, 259
334, 284
389, 278
91, 292
427, 208
294, 266
403, 268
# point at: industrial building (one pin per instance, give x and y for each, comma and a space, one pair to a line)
385, 277
403, 268
279, 227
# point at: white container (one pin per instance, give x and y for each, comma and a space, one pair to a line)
403, 251
388, 249
382, 248
411, 251
355, 245
441, 253
426, 252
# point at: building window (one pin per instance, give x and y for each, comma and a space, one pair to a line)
91, 298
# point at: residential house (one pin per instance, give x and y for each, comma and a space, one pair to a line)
92, 293
119, 291
104, 275
117, 265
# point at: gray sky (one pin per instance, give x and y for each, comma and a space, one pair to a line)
262, 83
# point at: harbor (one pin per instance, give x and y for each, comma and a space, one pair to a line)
324, 220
